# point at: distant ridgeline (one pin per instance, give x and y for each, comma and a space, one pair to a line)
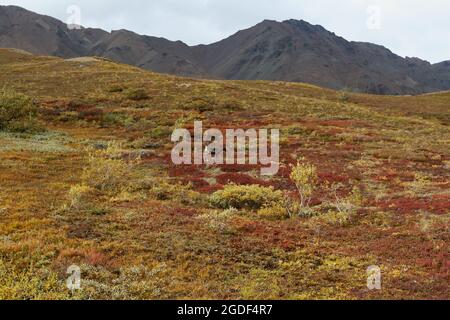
286, 51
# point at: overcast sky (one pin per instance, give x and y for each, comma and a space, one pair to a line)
414, 28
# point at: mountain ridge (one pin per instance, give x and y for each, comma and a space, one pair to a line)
291, 50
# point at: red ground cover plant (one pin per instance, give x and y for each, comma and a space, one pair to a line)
439, 205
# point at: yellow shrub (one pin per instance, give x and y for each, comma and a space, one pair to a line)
219, 220
333, 218
355, 197
304, 176
346, 205
106, 171
420, 184
30, 283
136, 94
163, 190
78, 196
17, 112
277, 211
105, 174
252, 197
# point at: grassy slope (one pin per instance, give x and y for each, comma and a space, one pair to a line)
144, 245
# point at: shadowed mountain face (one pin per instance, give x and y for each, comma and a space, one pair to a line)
287, 51
44, 35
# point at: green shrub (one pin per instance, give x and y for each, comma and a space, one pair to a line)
160, 132
17, 112
252, 197
136, 94
118, 118
231, 104
115, 88
201, 104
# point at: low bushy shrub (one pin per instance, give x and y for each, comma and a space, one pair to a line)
251, 197
277, 211
106, 170
116, 88
136, 94
333, 218
219, 221
164, 191
17, 112
118, 119
200, 104
78, 196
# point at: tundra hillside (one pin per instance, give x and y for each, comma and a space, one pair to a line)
86, 179
292, 50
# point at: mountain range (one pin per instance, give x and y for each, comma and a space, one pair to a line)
292, 50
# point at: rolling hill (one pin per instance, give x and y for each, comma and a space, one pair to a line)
291, 50
87, 180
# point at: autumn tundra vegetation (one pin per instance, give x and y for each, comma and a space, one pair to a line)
86, 179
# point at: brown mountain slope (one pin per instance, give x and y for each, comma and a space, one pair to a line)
288, 51
151, 53
40, 34
300, 52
